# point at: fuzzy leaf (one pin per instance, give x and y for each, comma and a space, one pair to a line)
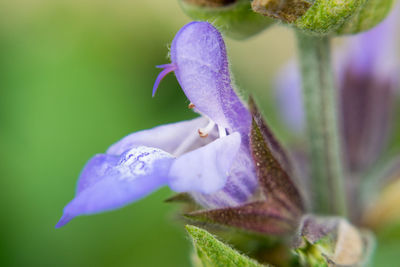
273, 178
234, 17
266, 217
214, 253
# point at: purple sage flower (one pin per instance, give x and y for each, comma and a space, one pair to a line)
208, 157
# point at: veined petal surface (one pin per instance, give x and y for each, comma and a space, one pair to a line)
109, 182
166, 137
199, 53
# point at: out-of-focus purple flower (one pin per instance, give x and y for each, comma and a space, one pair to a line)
367, 72
289, 96
209, 157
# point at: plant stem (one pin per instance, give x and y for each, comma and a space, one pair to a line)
320, 101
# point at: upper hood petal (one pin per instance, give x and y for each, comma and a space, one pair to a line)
199, 55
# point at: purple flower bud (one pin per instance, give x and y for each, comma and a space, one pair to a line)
332, 241
209, 157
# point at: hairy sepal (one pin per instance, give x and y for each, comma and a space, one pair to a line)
262, 217
274, 181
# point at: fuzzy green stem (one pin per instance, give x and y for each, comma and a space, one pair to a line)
320, 101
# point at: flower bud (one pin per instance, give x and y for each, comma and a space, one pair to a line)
233, 17
369, 15
322, 17
332, 241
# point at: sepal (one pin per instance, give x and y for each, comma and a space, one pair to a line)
272, 142
234, 17
263, 217
274, 180
368, 16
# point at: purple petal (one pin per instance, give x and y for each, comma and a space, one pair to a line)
110, 182
240, 184
166, 137
199, 53
206, 169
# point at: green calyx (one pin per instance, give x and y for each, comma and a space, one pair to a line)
326, 17
369, 15
332, 241
234, 18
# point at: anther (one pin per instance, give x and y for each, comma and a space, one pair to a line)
191, 106
203, 132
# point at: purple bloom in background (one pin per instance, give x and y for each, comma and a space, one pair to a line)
367, 72
209, 157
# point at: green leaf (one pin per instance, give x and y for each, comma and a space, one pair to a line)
214, 253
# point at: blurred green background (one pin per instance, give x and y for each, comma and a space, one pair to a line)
76, 76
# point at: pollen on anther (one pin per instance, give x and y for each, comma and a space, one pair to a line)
191, 106
202, 134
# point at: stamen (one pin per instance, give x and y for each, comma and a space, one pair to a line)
203, 132
191, 106
190, 139
167, 69
221, 131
